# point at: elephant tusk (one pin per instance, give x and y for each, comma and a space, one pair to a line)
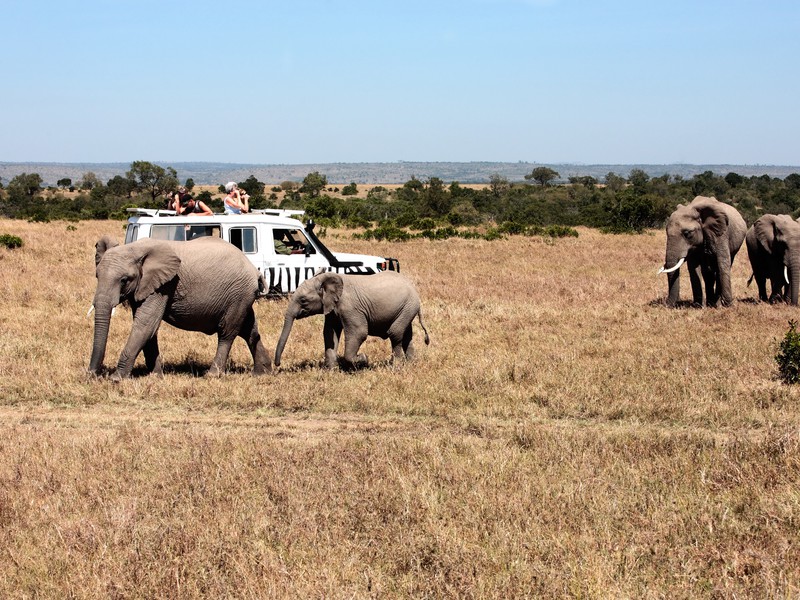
91, 310
670, 270
786, 274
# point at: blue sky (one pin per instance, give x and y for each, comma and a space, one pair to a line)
313, 81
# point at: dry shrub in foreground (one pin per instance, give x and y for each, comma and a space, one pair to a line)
563, 435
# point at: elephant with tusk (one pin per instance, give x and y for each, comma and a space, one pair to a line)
204, 285
773, 247
705, 234
382, 305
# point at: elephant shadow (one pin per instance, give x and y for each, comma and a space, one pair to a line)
187, 367
309, 366
686, 304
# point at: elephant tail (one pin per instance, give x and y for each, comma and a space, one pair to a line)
749, 281
427, 337
263, 288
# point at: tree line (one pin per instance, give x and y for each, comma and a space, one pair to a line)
617, 203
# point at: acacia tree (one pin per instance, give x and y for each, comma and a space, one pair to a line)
20, 194
89, 180
121, 186
498, 185
542, 175
151, 178
313, 184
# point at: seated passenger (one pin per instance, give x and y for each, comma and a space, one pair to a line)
188, 205
237, 201
285, 244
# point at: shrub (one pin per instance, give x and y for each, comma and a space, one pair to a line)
10, 241
788, 358
386, 232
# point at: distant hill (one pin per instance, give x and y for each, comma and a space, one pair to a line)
209, 173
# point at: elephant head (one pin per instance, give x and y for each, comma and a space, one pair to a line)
126, 273
779, 235
315, 296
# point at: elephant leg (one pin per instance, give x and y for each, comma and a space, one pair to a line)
332, 333
408, 344
152, 356
398, 347
777, 283
352, 342
217, 367
262, 364
696, 280
146, 321
723, 291
761, 282
712, 288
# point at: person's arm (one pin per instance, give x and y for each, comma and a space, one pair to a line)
206, 212
245, 202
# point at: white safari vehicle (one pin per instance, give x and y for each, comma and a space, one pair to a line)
284, 250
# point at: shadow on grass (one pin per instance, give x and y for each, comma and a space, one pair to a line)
687, 304
191, 368
309, 366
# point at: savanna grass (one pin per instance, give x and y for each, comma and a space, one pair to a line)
564, 434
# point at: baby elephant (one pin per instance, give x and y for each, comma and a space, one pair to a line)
383, 305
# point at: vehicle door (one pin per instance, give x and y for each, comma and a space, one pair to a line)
291, 258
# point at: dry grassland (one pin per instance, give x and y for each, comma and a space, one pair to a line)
563, 435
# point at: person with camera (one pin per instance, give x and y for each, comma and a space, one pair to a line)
237, 202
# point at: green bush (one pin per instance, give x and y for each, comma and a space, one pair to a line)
386, 232
11, 241
788, 358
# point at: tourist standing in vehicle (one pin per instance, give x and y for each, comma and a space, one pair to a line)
237, 202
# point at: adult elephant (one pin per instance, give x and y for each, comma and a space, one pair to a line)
773, 247
382, 305
204, 285
706, 234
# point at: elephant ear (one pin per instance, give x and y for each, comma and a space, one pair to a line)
159, 264
712, 216
331, 290
104, 243
765, 233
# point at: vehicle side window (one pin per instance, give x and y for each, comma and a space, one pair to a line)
168, 232
132, 234
244, 238
291, 241
196, 231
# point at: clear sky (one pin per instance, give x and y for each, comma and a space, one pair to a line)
320, 81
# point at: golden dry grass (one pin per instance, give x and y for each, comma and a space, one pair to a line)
563, 435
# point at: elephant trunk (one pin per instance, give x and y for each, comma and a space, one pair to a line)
794, 280
287, 329
674, 259
102, 318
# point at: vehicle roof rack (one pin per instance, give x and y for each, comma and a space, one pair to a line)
149, 212
278, 212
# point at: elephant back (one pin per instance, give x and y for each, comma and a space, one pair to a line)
214, 258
